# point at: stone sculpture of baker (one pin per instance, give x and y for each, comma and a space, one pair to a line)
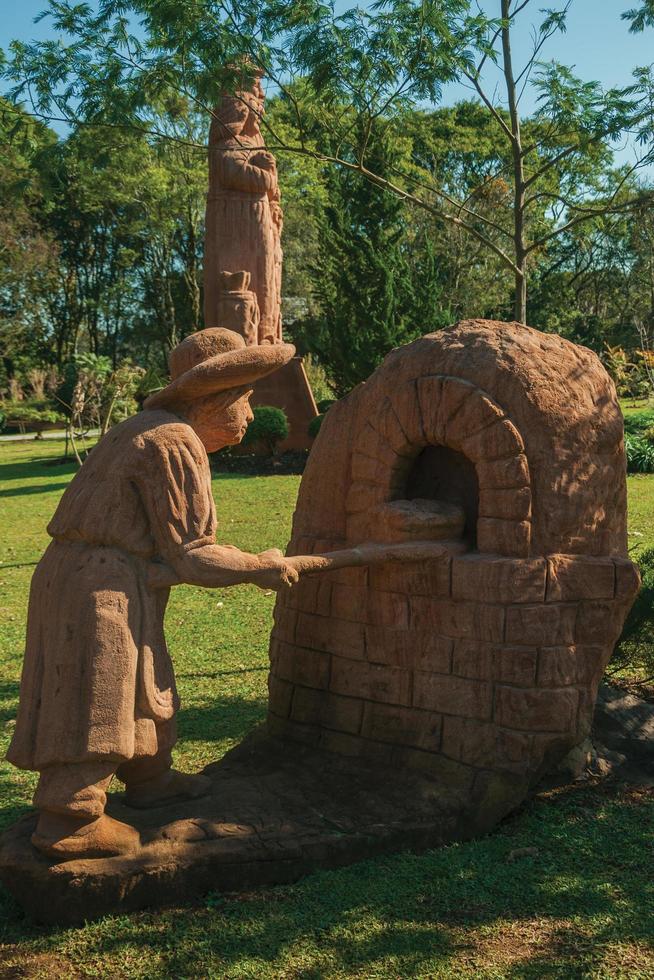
98, 693
243, 217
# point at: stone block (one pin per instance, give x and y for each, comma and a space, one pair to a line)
591, 662
471, 658
349, 602
413, 578
506, 505
387, 609
280, 695
475, 414
284, 624
504, 537
406, 407
430, 391
484, 578
452, 695
467, 620
311, 707
541, 625
402, 725
362, 496
409, 648
312, 595
552, 710
484, 744
389, 428
372, 682
503, 474
572, 577
332, 635
559, 666
627, 579
352, 577
599, 622
496, 442
516, 665
301, 666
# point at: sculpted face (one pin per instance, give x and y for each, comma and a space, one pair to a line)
220, 420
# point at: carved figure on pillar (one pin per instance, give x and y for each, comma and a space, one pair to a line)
243, 218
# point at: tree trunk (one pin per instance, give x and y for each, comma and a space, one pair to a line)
520, 305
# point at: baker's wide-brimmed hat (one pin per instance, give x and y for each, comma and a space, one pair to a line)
214, 360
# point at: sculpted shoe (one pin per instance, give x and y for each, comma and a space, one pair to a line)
169, 787
65, 839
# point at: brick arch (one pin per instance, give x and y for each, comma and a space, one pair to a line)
438, 410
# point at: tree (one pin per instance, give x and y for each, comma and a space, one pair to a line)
376, 282
343, 74
27, 253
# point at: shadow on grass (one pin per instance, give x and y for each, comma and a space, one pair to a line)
557, 913
29, 469
35, 488
225, 718
8, 700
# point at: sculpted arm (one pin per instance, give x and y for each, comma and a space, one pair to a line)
216, 566
240, 175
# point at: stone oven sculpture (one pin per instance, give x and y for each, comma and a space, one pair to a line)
481, 667
428, 691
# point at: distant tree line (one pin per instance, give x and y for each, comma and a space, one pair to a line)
399, 219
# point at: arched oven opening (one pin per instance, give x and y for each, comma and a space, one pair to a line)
443, 475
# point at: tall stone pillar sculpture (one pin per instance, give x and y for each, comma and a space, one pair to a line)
243, 245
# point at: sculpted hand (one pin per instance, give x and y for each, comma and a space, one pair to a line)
275, 572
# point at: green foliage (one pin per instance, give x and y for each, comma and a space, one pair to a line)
640, 17
30, 412
315, 425
376, 283
637, 423
268, 427
635, 649
640, 454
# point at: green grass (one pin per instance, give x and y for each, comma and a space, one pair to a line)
580, 906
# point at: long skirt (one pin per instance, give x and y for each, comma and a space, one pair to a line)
97, 676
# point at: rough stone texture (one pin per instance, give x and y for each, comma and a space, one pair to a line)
268, 820
243, 252
490, 658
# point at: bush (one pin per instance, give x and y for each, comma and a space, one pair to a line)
639, 422
314, 425
640, 454
635, 647
326, 404
269, 427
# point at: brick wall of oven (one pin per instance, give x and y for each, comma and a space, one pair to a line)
460, 664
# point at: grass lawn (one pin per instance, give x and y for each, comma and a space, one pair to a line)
580, 905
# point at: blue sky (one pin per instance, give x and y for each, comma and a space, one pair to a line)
597, 43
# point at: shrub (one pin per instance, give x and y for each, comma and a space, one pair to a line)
325, 405
640, 454
635, 647
269, 427
314, 425
639, 422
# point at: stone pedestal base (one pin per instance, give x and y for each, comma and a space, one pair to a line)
276, 812
289, 388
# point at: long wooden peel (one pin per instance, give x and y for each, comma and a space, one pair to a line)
161, 576
374, 554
